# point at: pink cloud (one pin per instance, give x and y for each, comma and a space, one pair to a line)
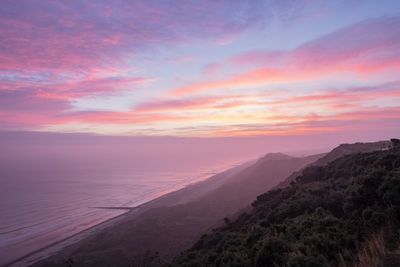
214, 102
353, 45
212, 69
345, 97
34, 110
70, 36
93, 86
54, 52
351, 50
62, 51
344, 122
259, 58
71, 88
173, 105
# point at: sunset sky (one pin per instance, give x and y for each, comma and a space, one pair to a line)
200, 68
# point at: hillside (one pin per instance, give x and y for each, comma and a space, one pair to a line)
174, 222
337, 152
346, 213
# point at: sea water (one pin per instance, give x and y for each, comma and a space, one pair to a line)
39, 211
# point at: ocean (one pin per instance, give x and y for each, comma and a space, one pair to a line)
38, 211
51, 184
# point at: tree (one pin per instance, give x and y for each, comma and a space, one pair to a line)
395, 142
273, 253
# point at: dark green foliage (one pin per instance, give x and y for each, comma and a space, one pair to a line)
311, 261
320, 220
395, 141
69, 262
148, 259
272, 253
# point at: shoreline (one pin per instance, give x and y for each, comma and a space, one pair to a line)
84, 233
57, 247
93, 228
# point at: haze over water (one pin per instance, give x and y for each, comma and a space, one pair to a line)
45, 198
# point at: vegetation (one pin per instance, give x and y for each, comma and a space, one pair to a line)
327, 217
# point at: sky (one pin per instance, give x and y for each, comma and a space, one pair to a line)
201, 68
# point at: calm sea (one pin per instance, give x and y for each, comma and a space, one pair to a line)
51, 183
37, 211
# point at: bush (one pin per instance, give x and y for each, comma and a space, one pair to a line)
273, 253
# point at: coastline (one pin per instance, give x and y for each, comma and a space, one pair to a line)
61, 248
63, 243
